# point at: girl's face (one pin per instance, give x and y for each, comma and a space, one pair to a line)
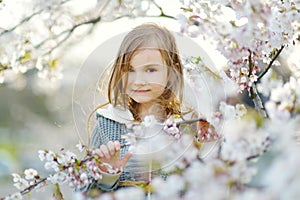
147, 76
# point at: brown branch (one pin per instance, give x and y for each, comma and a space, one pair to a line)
258, 104
4, 67
250, 63
271, 63
59, 43
69, 32
31, 187
253, 93
26, 19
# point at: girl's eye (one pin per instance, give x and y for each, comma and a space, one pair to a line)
151, 70
131, 70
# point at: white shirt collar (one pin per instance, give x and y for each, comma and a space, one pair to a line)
118, 113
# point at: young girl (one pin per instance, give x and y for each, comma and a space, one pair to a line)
146, 80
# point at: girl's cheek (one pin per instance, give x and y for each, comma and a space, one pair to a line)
130, 81
162, 80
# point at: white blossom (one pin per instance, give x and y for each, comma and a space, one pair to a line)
240, 110
59, 177
169, 189
52, 165
30, 174
134, 193
16, 177
15, 196
21, 184
80, 147
84, 178
42, 155
149, 121
50, 156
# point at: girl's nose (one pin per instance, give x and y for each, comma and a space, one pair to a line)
140, 79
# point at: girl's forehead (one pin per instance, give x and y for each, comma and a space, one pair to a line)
146, 56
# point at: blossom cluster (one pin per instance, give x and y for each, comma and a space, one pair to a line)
226, 165
284, 100
65, 167
194, 167
228, 168
30, 177
77, 173
247, 33
171, 126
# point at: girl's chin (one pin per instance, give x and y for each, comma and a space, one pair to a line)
142, 101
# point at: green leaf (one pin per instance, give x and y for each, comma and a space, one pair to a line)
26, 57
57, 193
187, 9
52, 64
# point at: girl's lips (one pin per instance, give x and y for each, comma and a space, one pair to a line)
141, 91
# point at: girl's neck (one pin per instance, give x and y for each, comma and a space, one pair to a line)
151, 109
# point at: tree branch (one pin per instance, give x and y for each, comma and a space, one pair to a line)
250, 63
26, 19
258, 104
253, 93
162, 14
31, 187
68, 32
271, 63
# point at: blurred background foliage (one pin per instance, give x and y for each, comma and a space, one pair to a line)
29, 122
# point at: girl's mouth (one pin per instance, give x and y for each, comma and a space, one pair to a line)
140, 91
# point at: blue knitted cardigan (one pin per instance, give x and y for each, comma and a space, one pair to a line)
106, 130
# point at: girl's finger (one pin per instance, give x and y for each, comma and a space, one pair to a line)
117, 145
111, 148
125, 159
99, 153
105, 151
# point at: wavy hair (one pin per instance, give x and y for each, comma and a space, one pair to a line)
145, 36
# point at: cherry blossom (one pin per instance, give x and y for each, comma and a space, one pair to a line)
30, 174
268, 25
15, 196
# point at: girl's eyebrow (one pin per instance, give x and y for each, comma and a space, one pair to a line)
148, 65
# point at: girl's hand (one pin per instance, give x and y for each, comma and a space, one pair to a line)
110, 153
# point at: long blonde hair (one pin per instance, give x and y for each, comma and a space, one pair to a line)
147, 35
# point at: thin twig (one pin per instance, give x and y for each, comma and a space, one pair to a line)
26, 19
21, 22
31, 187
69, 31
271, 63
59, 43
250, 63
190, 121
258, 104
162, 14
253, 93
